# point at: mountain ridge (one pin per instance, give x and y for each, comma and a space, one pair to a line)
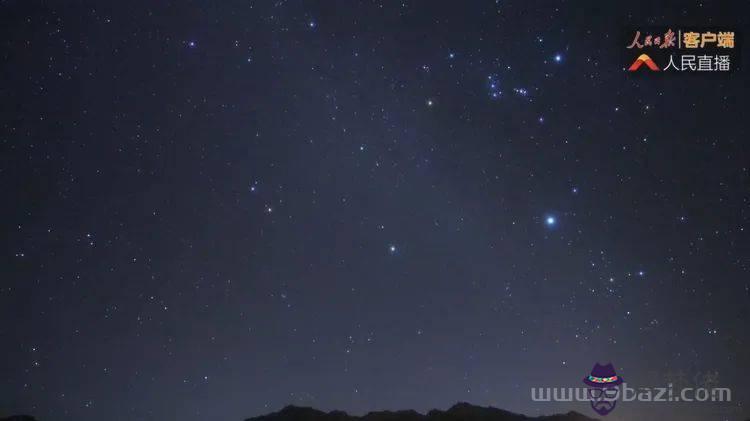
461, 411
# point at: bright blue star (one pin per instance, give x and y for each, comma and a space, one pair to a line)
550, 221
558, 58
493, 85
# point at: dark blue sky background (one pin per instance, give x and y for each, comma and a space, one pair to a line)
215, 209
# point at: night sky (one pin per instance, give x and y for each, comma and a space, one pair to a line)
215, 209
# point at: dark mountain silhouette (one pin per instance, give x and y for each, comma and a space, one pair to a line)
458, 412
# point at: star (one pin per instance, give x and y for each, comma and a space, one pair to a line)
192, 44
558, 58
550, 221
493, 86
430, 103
392, 249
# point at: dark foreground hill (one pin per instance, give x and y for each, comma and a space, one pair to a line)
458, 412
